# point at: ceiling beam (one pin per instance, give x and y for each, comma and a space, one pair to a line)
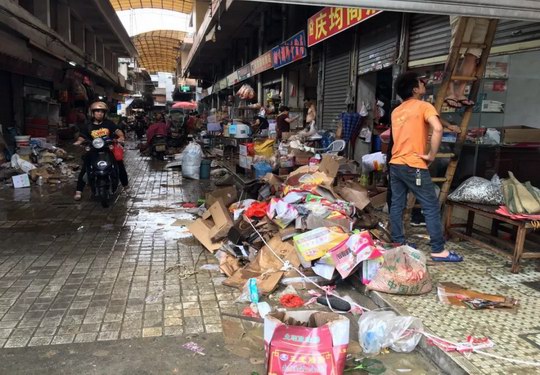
526, 10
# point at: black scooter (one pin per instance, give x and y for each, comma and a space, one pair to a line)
102, 170
159, 147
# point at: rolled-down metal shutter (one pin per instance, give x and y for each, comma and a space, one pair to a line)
6, 102
509, 32
337, 70
430, 35
378, 43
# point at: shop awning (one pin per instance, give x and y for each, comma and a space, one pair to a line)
527, 10
182, 6
158, 50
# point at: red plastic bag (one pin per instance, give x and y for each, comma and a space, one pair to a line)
257, 209
118, 152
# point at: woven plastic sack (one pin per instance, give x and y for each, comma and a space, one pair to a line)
403, 271
521, 198
479, 190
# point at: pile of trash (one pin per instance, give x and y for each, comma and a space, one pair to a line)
40, 162
307, 226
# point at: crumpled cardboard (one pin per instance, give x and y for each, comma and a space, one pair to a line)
457, 295
228, 195
212, 227
40, 172
265, 267
330, 164
314, 222
221, 218
354, 193
201, 231
228, 264
305, 342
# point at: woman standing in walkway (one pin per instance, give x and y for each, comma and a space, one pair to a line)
283, 121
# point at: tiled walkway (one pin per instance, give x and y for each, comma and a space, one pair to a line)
516, 332
75, 272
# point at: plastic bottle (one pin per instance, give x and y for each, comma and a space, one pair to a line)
40, 181
253, 291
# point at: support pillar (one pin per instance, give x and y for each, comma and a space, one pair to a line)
64, 21
42, 10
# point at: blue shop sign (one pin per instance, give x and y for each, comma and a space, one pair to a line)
291, 50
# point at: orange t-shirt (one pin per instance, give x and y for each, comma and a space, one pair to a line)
410, 129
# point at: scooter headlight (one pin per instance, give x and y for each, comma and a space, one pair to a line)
101, 165
98, 143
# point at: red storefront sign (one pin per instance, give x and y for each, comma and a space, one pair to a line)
261, 63
331, 21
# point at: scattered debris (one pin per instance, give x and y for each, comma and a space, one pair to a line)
194, 347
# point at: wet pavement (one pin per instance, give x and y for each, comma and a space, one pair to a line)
81, 285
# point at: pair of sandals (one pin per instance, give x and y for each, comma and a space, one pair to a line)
458, 103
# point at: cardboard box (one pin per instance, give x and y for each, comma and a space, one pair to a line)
330, 164
520, 134
378, 197
201, 231
228, 195
301, 157
20, 181
306, 342
355, 193
221, 218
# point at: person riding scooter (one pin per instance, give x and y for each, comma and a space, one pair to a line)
98, 127
157, 133
159, 127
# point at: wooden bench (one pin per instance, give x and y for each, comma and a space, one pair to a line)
519, 230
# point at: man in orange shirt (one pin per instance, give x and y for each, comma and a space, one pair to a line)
411, 122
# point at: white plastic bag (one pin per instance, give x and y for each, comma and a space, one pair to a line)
23, 165
191, 161
384, 329
373, 162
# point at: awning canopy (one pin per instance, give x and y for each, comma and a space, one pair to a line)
158, 50
182, 6
526, 10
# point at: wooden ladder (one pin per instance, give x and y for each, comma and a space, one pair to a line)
448, 77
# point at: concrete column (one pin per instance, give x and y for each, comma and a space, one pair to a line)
114, 63
90, 44
107, 59
42, 10
64, 21
77, 33
99, 52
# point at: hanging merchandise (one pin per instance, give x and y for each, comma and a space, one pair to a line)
246, 92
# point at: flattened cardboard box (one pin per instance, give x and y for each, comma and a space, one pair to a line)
201, 231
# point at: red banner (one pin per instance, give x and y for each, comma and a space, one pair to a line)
261, 63
331, 21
